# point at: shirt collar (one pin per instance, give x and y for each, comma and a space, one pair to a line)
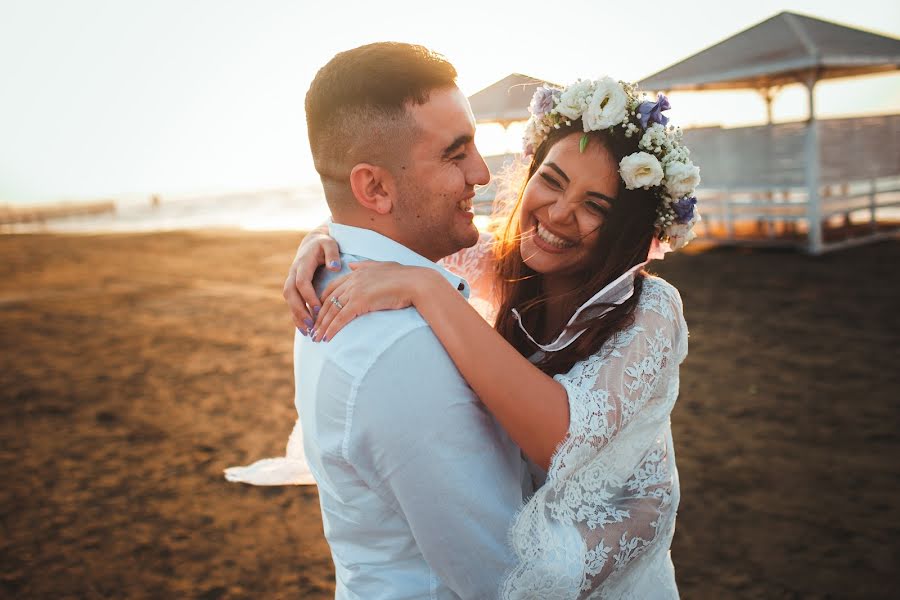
374, 246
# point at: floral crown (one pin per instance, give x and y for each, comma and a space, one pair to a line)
661, 162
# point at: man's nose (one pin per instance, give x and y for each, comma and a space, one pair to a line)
479, 174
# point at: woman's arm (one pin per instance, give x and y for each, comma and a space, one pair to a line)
530, 405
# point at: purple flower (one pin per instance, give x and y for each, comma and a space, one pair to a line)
684, 210
651, 112
542, 101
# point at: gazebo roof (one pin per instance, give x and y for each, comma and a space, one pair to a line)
786, 48
505, 101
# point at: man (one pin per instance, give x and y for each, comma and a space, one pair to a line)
418, 484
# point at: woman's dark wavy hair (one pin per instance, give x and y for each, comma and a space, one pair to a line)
624, 241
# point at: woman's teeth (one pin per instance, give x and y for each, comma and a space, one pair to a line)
465, 205
553, 240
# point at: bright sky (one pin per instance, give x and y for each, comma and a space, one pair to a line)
105, 98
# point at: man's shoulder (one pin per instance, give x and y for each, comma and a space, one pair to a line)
368, 341
412, 390
410, 371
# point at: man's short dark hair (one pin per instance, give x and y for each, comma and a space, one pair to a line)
356, 105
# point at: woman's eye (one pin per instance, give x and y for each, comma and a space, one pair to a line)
597, 208
550, 181
460, 157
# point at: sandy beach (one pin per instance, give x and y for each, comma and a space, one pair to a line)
136, 367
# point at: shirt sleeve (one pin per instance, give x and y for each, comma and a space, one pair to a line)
611, 483
431, 450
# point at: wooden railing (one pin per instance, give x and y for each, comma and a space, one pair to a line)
850, 212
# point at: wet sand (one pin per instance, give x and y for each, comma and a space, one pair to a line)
136, 367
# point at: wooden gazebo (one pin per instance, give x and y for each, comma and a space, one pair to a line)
506, 101
789, 48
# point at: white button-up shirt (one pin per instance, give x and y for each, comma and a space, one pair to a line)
418, 483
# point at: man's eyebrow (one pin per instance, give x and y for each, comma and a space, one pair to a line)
556, 168
456, 145
600, 196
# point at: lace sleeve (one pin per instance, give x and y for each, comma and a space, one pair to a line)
611, 488
476, 266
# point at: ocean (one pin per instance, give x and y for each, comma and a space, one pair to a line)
291, 209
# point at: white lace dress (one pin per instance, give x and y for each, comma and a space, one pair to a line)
602, 523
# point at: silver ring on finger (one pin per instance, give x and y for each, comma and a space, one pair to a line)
336, 302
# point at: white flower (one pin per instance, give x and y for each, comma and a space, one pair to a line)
607, 107
681, 178
656, 139
676, 154
681, 235
574, 99
533, 136
640, 170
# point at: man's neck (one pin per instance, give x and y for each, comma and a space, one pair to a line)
380, 225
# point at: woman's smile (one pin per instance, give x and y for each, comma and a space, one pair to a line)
550, 241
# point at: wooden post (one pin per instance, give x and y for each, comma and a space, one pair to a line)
873, 219
729, 222
813, 208
769, 94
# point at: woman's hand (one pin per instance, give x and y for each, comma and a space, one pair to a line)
372, 286
316, 249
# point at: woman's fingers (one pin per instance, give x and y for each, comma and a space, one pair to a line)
317, 249
368, 264
332, 254
299, 313
334, 284
326, 304
326, 333
330, 310
340, 318
303, 270
308, 295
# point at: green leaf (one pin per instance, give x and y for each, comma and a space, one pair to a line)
583, 144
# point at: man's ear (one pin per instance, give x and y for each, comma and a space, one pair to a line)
373, 187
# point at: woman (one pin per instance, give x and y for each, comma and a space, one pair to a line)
608, 186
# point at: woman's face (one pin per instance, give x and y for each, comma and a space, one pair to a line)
564, 205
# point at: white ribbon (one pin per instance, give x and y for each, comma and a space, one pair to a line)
617, 292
